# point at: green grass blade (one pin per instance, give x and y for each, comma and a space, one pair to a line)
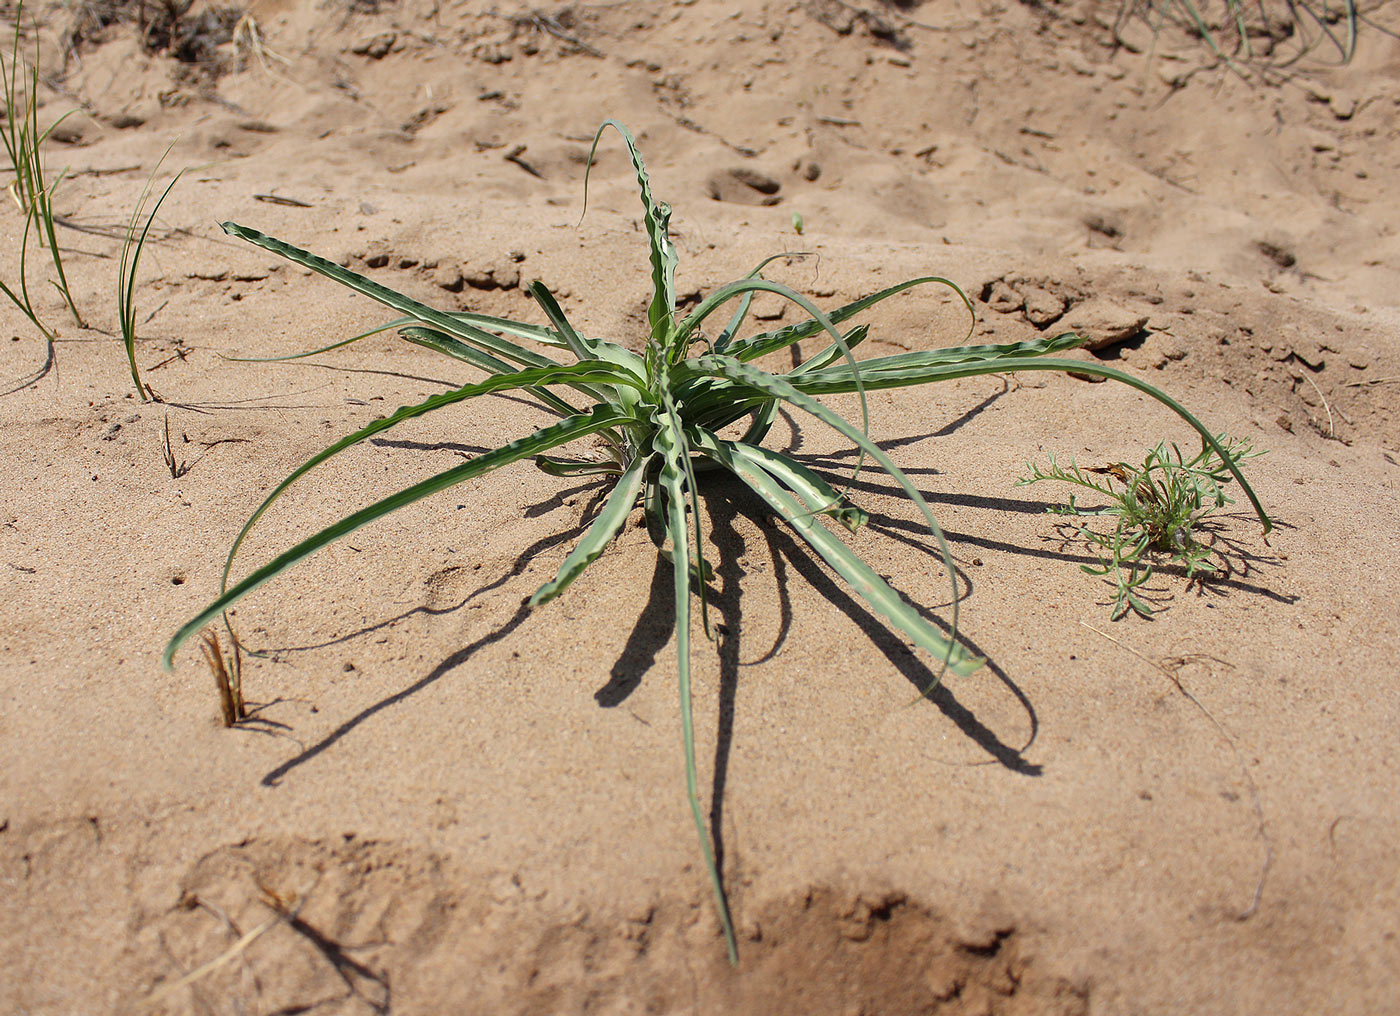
767, 473
501, 382
670, 445
770, 342
450, 345
386, 327
905, 369
132, 246
441, 342
520, 329
540, 441
656, 216
580, 346
21, 299
913, 362
604, 529
814, 384
421, 312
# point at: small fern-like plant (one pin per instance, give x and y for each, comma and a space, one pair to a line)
1160, 508
661, 411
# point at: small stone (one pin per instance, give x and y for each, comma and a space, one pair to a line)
1103, 322
744, 186
448, 277
1343, 104
377, 260
760, 182
1003, 299
1043, 306
376, 47
480, 278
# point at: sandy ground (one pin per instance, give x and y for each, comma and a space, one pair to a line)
448, 803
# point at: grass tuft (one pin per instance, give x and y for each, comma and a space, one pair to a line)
661, 412
30, 189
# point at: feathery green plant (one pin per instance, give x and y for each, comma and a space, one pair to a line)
1160, 507
660, 413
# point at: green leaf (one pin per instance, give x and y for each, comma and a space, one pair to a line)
671, 445
770, 342
441, 342
449, 323
909, 364
580, 346
824, 383
656, 216
501, 382
766, 472
605, 528
821, 497
726, 366
541, 440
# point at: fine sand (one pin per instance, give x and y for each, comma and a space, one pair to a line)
448, 803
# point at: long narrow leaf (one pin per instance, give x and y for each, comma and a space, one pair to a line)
737, 320
656, 216
580, 346
603, 531
766, 476
542, 440
727, 366
502, 382
449, 323
770, 342
821, 384
441, 342
670, 445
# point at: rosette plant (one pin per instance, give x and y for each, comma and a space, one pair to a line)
661, 412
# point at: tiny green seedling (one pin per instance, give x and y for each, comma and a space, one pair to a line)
1160, 508
132, 246
661, 411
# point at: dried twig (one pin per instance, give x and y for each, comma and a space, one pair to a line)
228, 678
